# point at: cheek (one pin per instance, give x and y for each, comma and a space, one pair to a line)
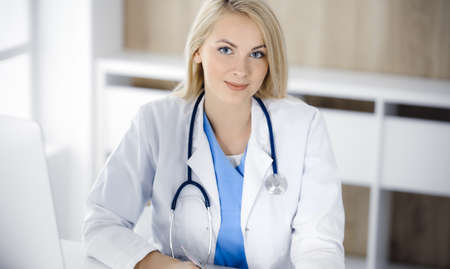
260, 71
214, 67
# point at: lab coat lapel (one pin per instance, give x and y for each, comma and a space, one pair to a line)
257, 163
202, 166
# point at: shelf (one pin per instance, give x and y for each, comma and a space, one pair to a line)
302, 80
144, 65
375, 150
355, 131
416, 156
370, 86
369, 147
357, 137
121, 104
355, 262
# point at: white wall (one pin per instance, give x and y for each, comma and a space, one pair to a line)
64, 68
69, 35
15, 97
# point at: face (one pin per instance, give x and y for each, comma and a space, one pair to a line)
234, 59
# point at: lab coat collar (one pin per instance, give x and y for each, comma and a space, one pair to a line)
257, 163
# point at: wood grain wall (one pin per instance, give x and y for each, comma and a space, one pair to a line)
409, 37
420, 230
356, 203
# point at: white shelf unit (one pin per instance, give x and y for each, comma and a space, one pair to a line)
376, 150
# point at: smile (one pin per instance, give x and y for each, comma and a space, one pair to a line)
235, 86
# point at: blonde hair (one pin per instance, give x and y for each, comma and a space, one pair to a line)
275, 82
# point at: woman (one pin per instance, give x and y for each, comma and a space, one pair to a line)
261, 162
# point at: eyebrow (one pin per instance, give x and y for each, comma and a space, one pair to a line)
234, 46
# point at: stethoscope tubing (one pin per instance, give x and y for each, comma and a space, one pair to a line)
189, 181
272, 142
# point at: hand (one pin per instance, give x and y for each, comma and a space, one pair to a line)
186, 265
157, 260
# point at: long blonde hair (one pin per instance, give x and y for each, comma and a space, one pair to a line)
275, 82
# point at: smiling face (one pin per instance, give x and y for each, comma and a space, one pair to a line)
233, 58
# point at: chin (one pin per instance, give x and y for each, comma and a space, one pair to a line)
235, 98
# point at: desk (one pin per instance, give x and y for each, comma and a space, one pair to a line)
74, 257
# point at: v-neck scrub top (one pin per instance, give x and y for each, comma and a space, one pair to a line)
230, 242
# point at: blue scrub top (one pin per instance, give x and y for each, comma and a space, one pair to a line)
230, 242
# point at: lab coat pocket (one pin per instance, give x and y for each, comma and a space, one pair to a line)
191, 227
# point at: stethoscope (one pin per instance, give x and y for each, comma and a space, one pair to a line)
274, 184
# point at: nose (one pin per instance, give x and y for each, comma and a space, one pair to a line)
241, 67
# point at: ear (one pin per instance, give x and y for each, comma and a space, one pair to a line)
197, 58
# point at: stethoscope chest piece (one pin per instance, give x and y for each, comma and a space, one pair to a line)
275, 184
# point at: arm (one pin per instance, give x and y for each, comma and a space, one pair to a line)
117, 199
318, 227
156, 260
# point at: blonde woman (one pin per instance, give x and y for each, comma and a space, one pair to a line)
238, 174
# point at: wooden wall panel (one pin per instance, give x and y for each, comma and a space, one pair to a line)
410, 37
418, 38
159, 26
356, 204
420, 230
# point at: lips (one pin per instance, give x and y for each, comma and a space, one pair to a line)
236, 86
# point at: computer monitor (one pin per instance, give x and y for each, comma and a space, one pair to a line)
28, 232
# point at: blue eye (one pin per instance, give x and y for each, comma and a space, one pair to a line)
225, 50
257, 54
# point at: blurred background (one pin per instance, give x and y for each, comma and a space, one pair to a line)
378, 69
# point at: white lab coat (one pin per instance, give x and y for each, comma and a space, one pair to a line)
301, 228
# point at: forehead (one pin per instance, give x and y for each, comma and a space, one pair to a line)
237, 28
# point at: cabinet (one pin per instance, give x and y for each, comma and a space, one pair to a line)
377, 150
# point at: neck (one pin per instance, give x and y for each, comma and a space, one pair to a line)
231, 123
